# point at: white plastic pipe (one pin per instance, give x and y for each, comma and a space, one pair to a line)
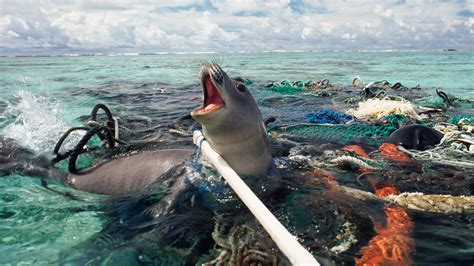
287, 243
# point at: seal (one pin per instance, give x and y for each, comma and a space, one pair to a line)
231, 123
416, 137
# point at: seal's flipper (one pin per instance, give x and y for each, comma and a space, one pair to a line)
15, 159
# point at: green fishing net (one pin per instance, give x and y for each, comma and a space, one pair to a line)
343, 134
396, 121
433, 102
454, 119
288, 87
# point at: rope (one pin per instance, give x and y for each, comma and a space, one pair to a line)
111, 122
361, 82
419, 201
61, 156
352, 162
320, 84
445, 97
107, 131
456, 148
102, 106
79, 148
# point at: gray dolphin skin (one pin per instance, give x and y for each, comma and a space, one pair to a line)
231, 122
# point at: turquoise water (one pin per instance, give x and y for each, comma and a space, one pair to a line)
43, 96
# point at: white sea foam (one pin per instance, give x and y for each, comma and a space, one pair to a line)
38, 124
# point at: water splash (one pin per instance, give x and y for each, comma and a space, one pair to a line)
38, 123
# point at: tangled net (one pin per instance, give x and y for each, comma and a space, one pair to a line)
327, 116
393, 245
375, 109
241, 245
317, 88
342, 134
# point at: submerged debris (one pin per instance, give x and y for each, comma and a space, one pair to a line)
345, 239
241, 245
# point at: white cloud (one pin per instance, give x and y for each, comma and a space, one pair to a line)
227, 25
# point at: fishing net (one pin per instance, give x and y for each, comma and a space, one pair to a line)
342, 134
327, 116
456, 148
466, 119
288, 87
374, 109
244, 81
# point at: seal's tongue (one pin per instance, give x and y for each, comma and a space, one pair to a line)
212, 97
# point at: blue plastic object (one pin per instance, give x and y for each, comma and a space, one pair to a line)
327, 116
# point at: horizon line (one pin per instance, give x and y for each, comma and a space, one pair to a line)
85, 54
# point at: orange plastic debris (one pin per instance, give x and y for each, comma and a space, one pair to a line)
393, 245
387, 190
391, 152
357, 149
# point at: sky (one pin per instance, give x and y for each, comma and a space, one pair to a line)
63, 26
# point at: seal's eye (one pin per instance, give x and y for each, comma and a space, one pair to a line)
241, 87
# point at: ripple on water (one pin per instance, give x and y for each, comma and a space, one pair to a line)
38, 224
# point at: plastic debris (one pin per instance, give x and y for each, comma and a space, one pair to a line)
343, 134
327, 116
375, 109
455, 149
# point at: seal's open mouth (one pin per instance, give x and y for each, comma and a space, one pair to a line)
212, 97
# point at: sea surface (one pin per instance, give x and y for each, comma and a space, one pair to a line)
41, 97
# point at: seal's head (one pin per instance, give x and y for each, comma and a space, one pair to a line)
232, 122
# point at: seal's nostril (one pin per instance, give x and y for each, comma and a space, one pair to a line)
217, 74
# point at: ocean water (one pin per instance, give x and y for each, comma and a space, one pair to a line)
41, 97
